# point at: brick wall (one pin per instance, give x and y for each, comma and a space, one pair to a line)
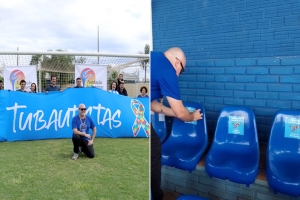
239, 52
199, 183
264, 84
215, 29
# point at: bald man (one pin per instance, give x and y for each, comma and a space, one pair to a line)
165, 69
82, 140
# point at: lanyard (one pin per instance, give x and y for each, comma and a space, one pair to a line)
83, 121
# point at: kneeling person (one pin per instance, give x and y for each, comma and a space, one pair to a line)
82, 140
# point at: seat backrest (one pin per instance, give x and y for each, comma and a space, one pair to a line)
236, 126
285, 132
159, 124
190, 132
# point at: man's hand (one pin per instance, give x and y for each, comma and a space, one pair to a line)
87, 135
90, 142
156, 106
197, 114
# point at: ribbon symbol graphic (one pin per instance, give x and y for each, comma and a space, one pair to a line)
140, 120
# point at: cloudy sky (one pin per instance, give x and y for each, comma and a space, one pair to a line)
40, 25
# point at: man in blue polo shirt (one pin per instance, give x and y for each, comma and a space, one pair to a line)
82, 140
78, 83
165, 70
52, 86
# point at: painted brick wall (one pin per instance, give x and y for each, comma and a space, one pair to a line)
239, 52
218, 29
199, 183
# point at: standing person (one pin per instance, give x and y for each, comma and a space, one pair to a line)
144, 92
165, 70
122, 90
120, 80
33, 88
22, 86
52, 86
1, 85
78, 83
113, 87
82, 140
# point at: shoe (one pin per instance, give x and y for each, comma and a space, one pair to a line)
75, 156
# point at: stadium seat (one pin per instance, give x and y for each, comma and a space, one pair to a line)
234, 153
190, 197
159, 124
283, 153
187, 141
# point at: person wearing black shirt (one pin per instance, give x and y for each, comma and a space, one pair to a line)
120, 80
122, 90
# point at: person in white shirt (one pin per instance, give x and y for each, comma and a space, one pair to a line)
113, 87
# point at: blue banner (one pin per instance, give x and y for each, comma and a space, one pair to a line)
35, 116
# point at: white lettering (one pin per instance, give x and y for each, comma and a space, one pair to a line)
60, 125
98, 108
15, 108
39, 119
117, 113
55, 120
27, 121
107, 117
58, 119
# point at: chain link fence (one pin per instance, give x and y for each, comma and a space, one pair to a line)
135, 68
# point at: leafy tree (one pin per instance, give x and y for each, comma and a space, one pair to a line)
35, 59
2, 79
80, 60
58, 65
109, 67
113, 77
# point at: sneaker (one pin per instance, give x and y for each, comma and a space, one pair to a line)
75, 156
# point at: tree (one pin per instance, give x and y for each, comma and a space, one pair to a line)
113, 77
64, 62
58, 65
146, 61
35, 59
80, 60
109, 67
1, 78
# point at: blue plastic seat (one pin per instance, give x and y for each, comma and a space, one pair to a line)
190, 197
187, 142
234, 154
159, 124
283, 153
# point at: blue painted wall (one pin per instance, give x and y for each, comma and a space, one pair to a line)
239, 53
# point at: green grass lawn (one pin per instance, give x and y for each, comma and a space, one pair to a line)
44, 170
